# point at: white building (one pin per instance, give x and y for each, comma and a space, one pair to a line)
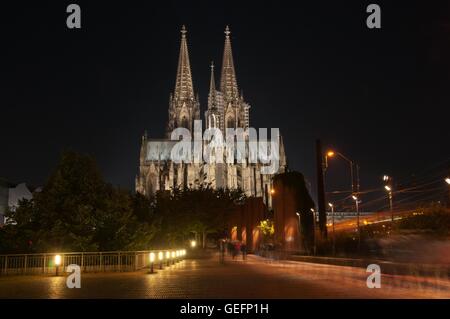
11, 194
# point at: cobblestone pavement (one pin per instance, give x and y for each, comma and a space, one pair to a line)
208, 278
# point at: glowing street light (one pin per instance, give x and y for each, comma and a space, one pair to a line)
447, 180
388, 189
193, 243
57, 260
331, 154
173, 257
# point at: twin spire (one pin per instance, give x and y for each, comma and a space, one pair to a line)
228, 85
184, 89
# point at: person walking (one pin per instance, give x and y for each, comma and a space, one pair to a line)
222, 251
244, 251
237, 249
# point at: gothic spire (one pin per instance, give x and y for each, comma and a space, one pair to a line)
228, 83
212, 89
183, 86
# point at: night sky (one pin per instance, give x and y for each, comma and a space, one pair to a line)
381, 97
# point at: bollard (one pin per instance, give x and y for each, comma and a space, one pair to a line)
152, 261
160, 258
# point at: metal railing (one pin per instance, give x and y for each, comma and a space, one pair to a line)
111, 261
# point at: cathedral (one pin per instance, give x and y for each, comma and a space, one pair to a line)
226, 109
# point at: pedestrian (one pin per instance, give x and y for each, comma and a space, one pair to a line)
244, 251
222, 251
230, 248
236, 249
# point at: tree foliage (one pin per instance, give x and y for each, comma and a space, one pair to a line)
78, 211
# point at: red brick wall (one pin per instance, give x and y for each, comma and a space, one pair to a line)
246, 219
285, 218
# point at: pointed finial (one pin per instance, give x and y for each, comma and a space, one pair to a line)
183, 31
227, 31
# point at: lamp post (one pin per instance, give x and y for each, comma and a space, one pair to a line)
331, 154
332, 221
355, 198
314, 230
388, 187
299, 229
389, 191
173, 257
447, 180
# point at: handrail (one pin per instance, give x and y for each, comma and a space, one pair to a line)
102, 261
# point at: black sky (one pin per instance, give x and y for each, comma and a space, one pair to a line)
314, 70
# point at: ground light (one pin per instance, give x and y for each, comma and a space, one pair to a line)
160, 258
173, 257
57, 263
152, 261
168, 257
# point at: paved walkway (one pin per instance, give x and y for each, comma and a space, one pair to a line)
208, 278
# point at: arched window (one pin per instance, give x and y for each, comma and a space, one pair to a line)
230, 122
184, 122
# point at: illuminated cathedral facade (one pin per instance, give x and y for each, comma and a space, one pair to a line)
226, 109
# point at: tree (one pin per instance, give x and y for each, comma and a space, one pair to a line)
77, 211
200, 210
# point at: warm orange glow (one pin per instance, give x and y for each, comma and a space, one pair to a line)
272, 191
330, 153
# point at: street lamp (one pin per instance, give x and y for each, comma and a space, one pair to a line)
388, 189
299, 229
447, 180
57, 263
355, 198
331, 154
332, 220
173, 257
193, 243
314, 230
